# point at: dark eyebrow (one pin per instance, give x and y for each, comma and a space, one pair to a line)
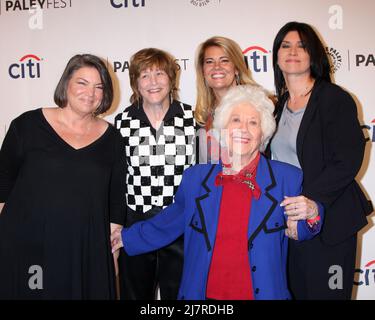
97, 84
286, 41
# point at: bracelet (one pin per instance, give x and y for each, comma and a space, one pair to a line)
313, 221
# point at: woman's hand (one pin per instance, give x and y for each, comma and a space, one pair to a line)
115, 228
292, 231
116, 240
300, 208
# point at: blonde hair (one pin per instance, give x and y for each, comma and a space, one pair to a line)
205, 96
148, 58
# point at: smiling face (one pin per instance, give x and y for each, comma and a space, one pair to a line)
244, 131
154, 87
84, 91
218, 70
292, 57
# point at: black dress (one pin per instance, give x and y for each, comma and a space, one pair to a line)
59, 202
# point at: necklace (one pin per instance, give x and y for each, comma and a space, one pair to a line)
299, 101
305, 94
301, 95
309, 87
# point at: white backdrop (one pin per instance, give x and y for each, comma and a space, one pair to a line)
37, 37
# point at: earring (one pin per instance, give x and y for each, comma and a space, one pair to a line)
237, 79
171, 97
138, 102
95, 112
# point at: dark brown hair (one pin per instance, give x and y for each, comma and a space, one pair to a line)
319, 63
77, 62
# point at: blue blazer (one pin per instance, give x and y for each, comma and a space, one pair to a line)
195, 214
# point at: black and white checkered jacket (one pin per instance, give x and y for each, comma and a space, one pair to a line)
156, 159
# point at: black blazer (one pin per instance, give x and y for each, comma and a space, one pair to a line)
330, 149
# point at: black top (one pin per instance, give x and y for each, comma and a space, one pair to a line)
58, 202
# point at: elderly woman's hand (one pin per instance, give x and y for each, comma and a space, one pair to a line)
116, 240
292, 231
300, 208
115, 228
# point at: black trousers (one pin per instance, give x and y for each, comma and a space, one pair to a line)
140, 275
318, 271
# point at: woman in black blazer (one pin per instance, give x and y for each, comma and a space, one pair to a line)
319, 132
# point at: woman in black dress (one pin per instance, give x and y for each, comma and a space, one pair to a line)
60, 192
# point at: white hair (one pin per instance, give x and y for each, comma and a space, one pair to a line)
253, 95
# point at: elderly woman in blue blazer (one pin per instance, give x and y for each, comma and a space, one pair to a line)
231, 213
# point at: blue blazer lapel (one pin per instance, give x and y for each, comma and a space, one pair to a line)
262, 208
208, 205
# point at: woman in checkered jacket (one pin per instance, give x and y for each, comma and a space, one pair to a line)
158, 131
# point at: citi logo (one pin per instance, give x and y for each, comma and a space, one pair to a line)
28, 67
366, 276
372, 138
256, 58
117, 4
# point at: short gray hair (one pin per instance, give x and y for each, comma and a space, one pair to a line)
254, 95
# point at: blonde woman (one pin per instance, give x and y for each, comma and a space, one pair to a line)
220, 65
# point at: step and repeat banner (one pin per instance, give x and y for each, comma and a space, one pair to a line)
37, 38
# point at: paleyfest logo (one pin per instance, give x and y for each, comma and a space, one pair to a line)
26, 5
336, 58
27, 67
35, 7
365, 60
123, 65
202, 3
